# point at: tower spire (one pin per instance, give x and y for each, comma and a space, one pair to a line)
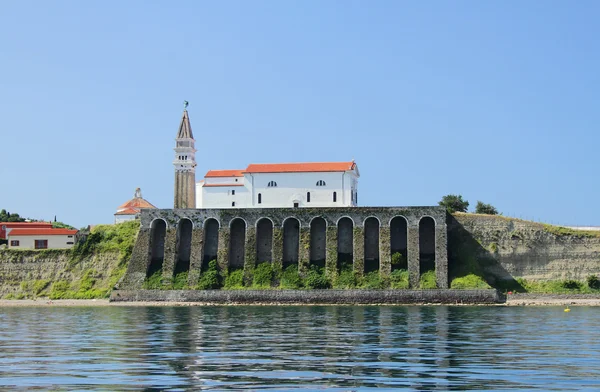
185, 164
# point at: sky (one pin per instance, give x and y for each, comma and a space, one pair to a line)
497, 101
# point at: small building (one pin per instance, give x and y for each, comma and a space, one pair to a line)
6, 227
281, 185
131, 209
41, 238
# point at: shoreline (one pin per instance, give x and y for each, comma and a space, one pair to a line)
512, 300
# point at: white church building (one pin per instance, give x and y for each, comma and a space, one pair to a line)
276, 185
268, 185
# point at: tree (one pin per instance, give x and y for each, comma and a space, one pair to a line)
454, 203
6, 216
482, 208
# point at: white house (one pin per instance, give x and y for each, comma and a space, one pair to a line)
277, 185
41, 238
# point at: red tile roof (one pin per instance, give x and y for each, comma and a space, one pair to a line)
128, 211
300, 167
136, 202
211, 185
19, 232
224, 173
26, 224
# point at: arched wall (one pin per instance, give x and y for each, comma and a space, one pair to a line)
291, 241
158, 233
211, 241
237, 242
426, 244
399, 242
318, 241
371, 244
264, 240
184, 246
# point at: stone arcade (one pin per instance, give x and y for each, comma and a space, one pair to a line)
186, 239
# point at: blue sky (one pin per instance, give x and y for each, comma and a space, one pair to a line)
497, 101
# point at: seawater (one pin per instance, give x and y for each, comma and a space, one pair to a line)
300, 347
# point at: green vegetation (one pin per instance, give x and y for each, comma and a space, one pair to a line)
399, 261
346, 279
61, 225
316, 279
469, 282
290, 278
371, 280
153, 282
454, 203
483, 208
593, 282
180, 281
565, 231
568, 286
262, 276
210, 279
234, 280
84, 289
6, 216
399, 279
427, 280
109, 238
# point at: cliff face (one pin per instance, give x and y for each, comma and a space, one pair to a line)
503, 249
28, 274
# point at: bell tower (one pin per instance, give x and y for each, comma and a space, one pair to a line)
185, 164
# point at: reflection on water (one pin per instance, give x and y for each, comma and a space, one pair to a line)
315, 347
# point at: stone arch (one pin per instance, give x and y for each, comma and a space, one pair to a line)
158, 231
345, 242
264, 240
237, 243
399, 242
183, 248
211, 241
291, 241
426, 244
318, 241
371, 226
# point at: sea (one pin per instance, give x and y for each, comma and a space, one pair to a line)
338, 348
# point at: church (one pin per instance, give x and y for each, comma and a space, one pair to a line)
270, 185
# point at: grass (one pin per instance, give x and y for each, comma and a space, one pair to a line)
427, 280
557, 287
470, 281
399, 279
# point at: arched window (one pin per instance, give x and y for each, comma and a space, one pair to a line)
259, 198
308, 197
321, 183
334, 197
272, 184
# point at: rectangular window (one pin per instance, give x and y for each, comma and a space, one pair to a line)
70, 243
233, 192
334, 197
308, 197
41, 244
69, 236
259, 198
233, 203
14, 243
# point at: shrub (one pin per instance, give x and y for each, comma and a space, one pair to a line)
470, 281
40, 285
483, 208
235, 280
454, 203
180, 281
290, 278
154, 281
399, 279
60, 289
346, 279
593, 282
427, 280
571, 285
316, 279
263, 274
210, 279
371, 280
398, 261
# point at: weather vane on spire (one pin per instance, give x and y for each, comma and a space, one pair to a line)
185, 105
